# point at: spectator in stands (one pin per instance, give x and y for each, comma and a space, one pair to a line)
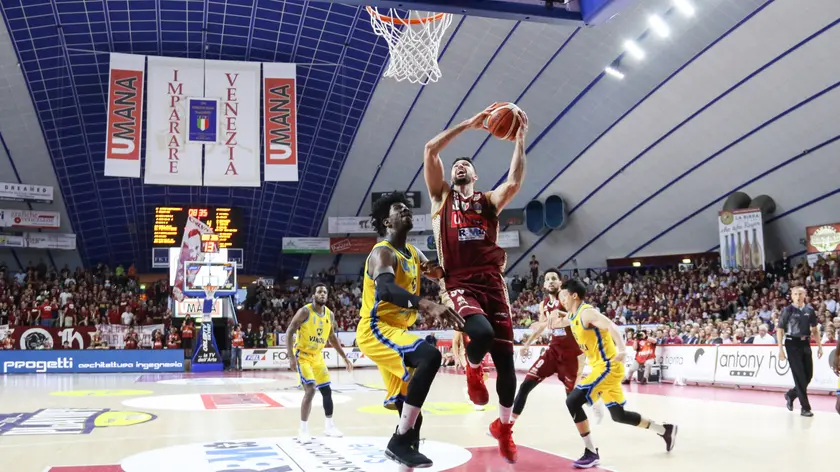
763, 336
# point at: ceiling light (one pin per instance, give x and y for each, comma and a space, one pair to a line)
685, 7
634, 49
614, 72
659, 26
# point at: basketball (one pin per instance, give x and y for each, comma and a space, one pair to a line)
503, 121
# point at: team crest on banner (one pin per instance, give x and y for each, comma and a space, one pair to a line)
203, 120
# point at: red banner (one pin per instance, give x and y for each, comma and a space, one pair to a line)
823, 238
38, 337
351, 245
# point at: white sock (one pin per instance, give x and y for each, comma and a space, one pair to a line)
656, 428
304, 427
408, 418
504, 414
587, 441
474, 366
330, 423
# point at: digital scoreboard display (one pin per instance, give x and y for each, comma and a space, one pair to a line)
226, 222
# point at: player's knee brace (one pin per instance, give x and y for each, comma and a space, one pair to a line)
620, 415
426, 362
522, 395
575, 402
326, 393
481, 334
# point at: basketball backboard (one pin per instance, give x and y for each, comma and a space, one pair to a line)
197, 275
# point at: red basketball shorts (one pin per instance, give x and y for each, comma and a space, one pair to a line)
556, 360
483, 293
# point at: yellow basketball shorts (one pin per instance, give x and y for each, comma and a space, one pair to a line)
387, 346
312, 369
604, 383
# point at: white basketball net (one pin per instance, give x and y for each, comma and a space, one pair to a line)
210, 291
414, 41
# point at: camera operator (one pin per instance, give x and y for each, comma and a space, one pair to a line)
645, 348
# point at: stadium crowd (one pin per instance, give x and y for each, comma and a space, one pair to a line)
699, 304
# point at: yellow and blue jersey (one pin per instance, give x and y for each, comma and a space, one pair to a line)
407, 277
597, 344
314, 332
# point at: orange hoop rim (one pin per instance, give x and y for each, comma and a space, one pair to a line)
400, 21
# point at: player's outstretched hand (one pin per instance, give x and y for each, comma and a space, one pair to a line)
349, 365
447, 315
292, 364
478, 120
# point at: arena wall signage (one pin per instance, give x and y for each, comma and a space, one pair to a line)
741, 365
823, 238
65, 361
29, 219
78, 337
278, 358
26, 193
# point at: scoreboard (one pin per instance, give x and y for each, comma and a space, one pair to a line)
170, 221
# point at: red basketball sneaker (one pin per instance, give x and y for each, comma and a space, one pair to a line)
503, 432
475, 386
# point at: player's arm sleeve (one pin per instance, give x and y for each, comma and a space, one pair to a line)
387, 290
381, 265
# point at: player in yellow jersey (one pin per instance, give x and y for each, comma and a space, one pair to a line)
601, 342
309, 332
390, 301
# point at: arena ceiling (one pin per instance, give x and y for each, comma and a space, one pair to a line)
742, 95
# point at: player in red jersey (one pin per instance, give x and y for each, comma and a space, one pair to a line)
563, 356
466, 226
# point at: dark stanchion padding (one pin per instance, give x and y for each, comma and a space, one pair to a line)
737, 201
555, 212
535, 216
765, 203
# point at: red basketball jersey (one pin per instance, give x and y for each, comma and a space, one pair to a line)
466, 230
563, 336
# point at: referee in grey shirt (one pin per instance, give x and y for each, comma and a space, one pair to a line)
797, 325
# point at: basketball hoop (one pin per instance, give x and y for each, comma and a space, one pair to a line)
414, 41
209, 291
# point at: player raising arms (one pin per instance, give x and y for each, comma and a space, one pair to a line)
601, 341
466, 227
308, 333
390, 300
563, 356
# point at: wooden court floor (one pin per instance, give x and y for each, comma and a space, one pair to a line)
249, 421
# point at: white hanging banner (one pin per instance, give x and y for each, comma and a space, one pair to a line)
741, 235
66, 241
234, 160
170, 158
27, 192
280, 121
125, 115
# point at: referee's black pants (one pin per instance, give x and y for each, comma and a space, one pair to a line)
802, 367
